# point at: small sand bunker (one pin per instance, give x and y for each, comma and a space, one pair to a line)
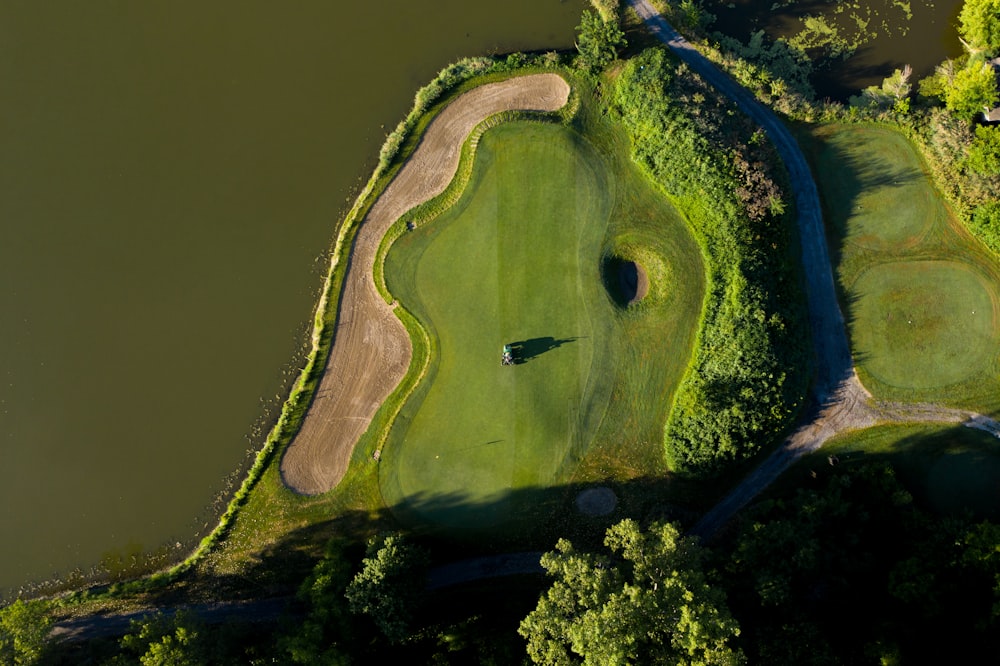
633, 281
596, 501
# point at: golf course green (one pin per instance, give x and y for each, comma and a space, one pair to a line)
922, 296
518, 260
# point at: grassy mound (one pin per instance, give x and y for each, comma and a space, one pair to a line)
910, 275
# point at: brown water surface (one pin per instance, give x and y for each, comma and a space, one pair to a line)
919, 33
170, 177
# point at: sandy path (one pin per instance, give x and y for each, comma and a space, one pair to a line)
371, 350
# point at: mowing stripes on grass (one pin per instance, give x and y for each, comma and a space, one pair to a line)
516, 260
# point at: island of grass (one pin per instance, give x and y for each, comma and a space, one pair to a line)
533, 256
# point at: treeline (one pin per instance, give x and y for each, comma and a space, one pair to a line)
845, 567
747, 378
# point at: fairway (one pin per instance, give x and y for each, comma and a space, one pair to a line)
921, 295
516, 260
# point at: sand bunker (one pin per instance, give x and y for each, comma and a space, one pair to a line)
371, 350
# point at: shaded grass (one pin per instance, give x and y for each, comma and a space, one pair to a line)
949, 469
911, 277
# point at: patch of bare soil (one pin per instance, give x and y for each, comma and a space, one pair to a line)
371, 350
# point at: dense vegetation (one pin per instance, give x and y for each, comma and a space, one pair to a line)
746, 381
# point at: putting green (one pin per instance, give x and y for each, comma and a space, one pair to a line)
516, 260
926, 323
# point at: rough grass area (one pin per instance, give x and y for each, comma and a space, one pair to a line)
922, 297
949, 469
518, 260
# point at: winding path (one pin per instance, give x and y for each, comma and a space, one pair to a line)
371, 350
843, 403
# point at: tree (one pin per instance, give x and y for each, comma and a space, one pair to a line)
984, 153
610, 10
648, 603
24, 630
980, 24
598, 41
164, 641
973, 89
389, 585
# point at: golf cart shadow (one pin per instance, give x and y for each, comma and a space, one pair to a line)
526, 350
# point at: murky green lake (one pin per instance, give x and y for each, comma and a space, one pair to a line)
890, 33
171, 177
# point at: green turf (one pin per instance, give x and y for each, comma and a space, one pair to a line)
926, 324
921, 295
519, 258
952, 469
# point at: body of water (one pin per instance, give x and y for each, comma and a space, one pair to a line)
894, 33
171, 175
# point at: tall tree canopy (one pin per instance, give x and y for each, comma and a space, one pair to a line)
598, 40
389, 584
648, 602
973, 89
980, 27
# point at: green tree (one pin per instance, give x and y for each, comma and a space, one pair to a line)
973, 89
24, 630
322, 636
598, 41
984, 153
648, 603
164, 641
980, 24
389, 585
610, 10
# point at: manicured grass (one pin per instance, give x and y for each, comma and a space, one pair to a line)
949, 468
922, 297
515, 260
924, 324
519, 258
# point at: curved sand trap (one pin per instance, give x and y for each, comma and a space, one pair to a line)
371, 350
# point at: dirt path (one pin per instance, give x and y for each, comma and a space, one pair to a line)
842, 402
371, 350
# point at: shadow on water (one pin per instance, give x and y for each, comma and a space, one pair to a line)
526, 350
